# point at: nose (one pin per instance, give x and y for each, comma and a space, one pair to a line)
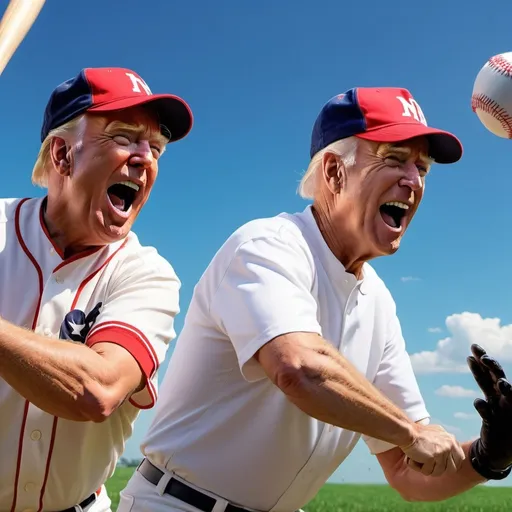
411, 178
142, 156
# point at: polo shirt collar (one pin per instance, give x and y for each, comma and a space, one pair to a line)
332, 265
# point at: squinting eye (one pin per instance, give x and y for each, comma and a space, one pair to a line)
393, 160
122, 140
156, 151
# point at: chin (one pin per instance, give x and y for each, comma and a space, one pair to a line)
109, 233
116, 233
388, 248
394, 247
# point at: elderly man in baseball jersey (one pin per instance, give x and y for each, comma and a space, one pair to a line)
86, 311
292, 350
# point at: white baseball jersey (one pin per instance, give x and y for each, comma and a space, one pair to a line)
220, 423
123, 293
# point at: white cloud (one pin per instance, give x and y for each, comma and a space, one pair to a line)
465, 329
407, 279
455, 391
464, 416
434, 329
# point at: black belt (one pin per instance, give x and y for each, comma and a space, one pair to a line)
82, 504
182, 491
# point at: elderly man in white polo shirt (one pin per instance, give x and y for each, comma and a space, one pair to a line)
292, 350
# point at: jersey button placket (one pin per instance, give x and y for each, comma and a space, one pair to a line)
35, 435
30, 487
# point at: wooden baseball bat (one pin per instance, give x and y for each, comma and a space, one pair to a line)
16, 22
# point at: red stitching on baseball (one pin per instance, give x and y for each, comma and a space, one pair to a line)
489, 106
501, 65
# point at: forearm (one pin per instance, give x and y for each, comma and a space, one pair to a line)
414, 486
60, 377
329, 388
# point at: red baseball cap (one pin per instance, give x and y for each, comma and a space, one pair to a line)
109, 89
382, 114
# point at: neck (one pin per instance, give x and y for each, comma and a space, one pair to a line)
346, 251
64, 232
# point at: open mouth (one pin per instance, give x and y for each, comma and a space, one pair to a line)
122, 195
393, 212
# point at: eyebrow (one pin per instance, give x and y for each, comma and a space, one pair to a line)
139, 129
406, 152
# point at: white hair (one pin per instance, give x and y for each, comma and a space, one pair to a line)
345, 148
40, 169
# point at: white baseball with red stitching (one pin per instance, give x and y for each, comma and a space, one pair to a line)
491, 99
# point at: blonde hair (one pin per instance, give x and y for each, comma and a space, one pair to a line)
345, 148
41, 167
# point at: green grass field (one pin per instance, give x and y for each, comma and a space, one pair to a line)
372, 498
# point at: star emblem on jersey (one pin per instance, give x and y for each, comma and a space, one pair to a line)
76, 324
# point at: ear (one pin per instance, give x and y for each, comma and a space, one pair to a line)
60, 157
333, 172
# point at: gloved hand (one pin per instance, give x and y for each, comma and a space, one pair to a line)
491, 454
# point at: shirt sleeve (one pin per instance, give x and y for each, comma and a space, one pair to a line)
395, 379
138, 314
264, 293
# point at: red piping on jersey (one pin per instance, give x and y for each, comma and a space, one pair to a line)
133, 340
83, 254
83, 284
34, 323
20, 450
45, 230
48, 461
31, 258
75, 257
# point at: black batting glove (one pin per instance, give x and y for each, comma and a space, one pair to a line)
491, 454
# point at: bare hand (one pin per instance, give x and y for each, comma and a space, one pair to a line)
434, 451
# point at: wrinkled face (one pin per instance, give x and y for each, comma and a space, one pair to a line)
382, 191
113, 164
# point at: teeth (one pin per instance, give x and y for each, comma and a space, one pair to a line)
397, 203
130, 184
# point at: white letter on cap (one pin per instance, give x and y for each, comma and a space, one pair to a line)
412, 107
136, 81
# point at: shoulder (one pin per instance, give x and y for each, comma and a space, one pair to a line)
137, 261
274, 243
271, 241
8, 208
283, 228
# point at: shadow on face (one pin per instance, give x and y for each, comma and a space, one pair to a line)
372, 201
104, 172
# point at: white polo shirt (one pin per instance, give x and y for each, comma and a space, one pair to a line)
220, 423
49, 463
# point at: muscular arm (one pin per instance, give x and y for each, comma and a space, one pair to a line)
323, 384
414, 486
67, 379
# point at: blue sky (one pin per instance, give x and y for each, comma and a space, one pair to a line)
256, 75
